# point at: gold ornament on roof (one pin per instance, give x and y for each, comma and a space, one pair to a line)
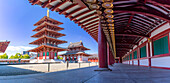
48, 13
111, 25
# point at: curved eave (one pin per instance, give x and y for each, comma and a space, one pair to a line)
40, 48
41, 39
84, 48
42, 32
76, 54
49, 24
47, 18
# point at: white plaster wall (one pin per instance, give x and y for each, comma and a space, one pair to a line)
159, 30
64, 58
144, 62
130, 62
126, 62
56, 58
47, 57
161, 62
85, 58
135, 62
43, 57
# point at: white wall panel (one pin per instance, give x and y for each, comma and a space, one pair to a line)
161, 62
130, 62
135, 62
144, 62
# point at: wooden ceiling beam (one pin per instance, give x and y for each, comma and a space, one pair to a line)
134, 35
89, 22
74, 18
70, 14
67, 8
55, 8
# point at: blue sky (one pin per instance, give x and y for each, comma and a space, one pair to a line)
16, 25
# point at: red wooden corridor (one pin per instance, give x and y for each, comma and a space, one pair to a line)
136, 31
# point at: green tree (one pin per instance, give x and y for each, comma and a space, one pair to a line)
11, 57
59, 57
16, 56
4, 56
26, 56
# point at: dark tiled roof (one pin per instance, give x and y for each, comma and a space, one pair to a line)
76, 44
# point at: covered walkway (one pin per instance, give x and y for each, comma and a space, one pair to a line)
120, 73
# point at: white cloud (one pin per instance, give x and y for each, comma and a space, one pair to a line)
12, 50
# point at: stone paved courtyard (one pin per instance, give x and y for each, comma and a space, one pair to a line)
120, 73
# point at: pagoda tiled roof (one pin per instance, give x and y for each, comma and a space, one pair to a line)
47, 46
45, 18
42, 39
42, 32
54, 26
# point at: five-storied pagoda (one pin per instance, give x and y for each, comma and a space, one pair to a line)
47, 34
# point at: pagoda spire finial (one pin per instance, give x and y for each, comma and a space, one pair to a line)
48, 13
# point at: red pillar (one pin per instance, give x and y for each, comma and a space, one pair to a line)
138, 55
72, 58
69, 58
149, 58
132, 57
45, 54
65, 58
110, 55
102, 48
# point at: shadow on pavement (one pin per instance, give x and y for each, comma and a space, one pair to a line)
12, 71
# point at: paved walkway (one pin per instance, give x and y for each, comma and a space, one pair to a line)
121, 74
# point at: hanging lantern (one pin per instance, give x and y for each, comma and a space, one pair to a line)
90, 1
94, 7
107, 5
110, 20
109, 16
108, 11
111, 25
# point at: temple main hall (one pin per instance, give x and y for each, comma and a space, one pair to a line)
47, 34
76, 53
